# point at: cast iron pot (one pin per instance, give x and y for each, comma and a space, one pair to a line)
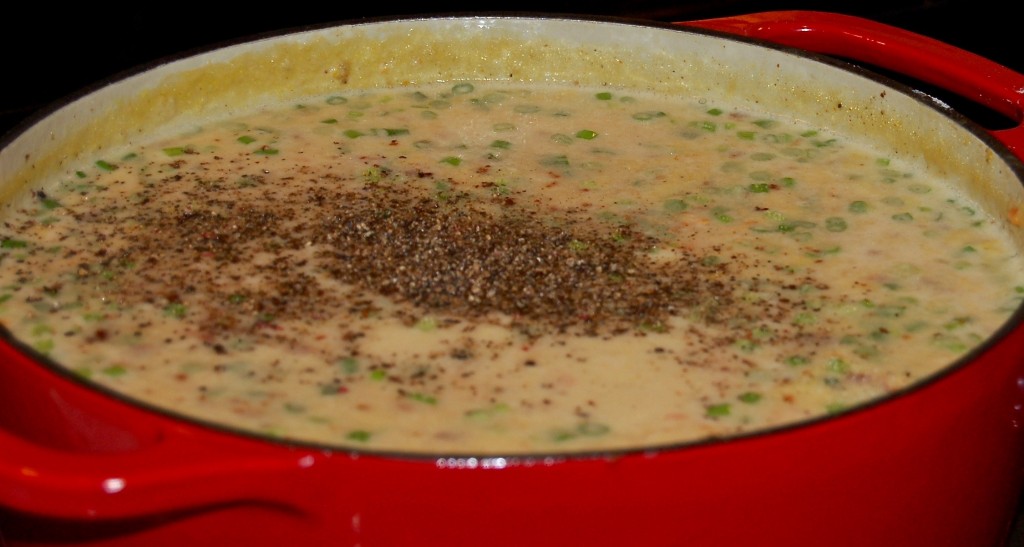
938, 464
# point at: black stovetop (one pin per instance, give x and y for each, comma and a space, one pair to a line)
49, 52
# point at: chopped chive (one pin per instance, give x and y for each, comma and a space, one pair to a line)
526, 109
557, 160
115, 370
176, 310
350, 365
835, 224
488, 412
358, 435
423, 398
332, 389
858, 207
796, 360
577, 245
649, 115
838, 365
13, 244
373, 175
750, 397
717, 411
427, 324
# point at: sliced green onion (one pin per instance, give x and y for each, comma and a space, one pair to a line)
717, 411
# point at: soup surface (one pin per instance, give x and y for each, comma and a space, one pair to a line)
481, 269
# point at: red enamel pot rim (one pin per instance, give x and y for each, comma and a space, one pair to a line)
822, 36
166, 440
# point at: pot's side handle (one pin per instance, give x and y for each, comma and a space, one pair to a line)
180, 472
925, 59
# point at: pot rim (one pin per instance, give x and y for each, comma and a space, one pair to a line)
1014, 323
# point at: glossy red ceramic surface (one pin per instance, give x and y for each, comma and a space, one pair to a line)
941, 465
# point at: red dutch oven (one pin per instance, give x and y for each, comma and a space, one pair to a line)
938, 464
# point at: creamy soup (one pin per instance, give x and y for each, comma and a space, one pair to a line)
477, 268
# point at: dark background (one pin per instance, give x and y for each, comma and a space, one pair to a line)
48, 52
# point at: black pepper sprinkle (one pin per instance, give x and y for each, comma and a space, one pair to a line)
451, 255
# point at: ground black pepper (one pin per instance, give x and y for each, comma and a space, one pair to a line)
447, 253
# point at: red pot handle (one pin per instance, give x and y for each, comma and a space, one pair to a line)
925, 59
156, 466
